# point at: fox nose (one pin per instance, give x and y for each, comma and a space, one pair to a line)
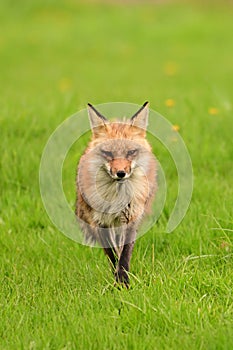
121, 174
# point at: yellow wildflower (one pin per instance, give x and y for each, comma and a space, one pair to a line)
170, 102
175, 127
170, 68
64, 85
213, 111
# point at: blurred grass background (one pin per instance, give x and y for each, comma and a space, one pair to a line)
55, 56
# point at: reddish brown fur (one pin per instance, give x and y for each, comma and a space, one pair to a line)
120, 164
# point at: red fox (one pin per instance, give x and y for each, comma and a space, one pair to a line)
116, 183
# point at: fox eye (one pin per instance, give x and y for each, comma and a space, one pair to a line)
107, 154
132, 152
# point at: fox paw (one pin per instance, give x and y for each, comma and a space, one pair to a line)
122, 277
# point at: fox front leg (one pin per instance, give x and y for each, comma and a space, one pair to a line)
104, 238
112, 256
123, 265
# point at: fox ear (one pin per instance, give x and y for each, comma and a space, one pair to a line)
96, 119
140, 118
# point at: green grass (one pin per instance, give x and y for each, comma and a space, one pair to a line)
56, 56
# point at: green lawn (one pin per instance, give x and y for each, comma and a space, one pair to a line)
56, 56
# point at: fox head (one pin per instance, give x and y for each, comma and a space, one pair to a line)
121, 146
